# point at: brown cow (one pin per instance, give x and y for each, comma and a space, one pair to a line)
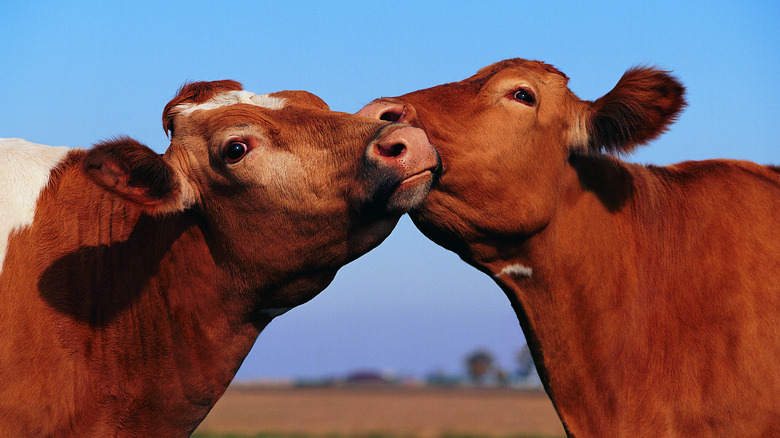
649, 296
133, 285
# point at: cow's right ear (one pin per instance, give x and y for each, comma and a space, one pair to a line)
138, 174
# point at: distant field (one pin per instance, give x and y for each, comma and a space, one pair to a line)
374, 412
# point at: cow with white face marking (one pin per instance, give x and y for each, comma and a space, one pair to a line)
133, 285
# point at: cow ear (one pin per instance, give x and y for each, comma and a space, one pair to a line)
195, 92
136, 173
640, 108
302, 98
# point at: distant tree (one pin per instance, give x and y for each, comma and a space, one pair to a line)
525, 363
441, 378
502, 378
478, 365
527, 373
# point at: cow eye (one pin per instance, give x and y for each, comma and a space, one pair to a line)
525, 96
235, 151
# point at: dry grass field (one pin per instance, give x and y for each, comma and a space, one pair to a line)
381, 411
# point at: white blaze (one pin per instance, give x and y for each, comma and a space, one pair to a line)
233, 98
24, 171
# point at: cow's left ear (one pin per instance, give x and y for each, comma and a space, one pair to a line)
640, 108
138, 174
301, 98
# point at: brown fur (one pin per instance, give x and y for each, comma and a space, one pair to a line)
197, 93
653, 304
640, 107
131, 169
129, 303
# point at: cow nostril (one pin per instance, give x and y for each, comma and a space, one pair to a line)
391, 116
391, 150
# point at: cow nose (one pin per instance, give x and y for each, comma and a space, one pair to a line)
385, 110
395, 144
406, 149
401, 167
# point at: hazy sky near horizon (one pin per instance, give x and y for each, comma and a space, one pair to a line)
75, 74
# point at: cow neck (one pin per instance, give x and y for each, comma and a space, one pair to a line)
140, 297
556, 283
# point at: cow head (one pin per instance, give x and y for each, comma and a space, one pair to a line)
289, 190
506, 134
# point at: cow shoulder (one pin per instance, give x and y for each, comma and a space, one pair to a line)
25, 170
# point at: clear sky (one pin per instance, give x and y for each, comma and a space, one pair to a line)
74, 75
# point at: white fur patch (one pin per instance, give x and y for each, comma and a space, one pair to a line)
24, 171
233, 98
516, 270
578, 134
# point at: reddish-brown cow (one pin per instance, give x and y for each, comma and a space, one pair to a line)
649, 296
133, 284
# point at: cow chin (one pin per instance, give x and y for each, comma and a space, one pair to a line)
411, 193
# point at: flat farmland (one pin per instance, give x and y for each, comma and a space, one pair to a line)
382, 411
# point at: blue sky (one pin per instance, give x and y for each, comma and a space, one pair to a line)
74, 73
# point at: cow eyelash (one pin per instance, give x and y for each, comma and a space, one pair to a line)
524, 96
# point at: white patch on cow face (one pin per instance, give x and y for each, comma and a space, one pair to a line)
515, 270
233, 98
24, 171
578, 134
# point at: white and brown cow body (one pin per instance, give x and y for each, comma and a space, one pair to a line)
133, 285
649, 296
